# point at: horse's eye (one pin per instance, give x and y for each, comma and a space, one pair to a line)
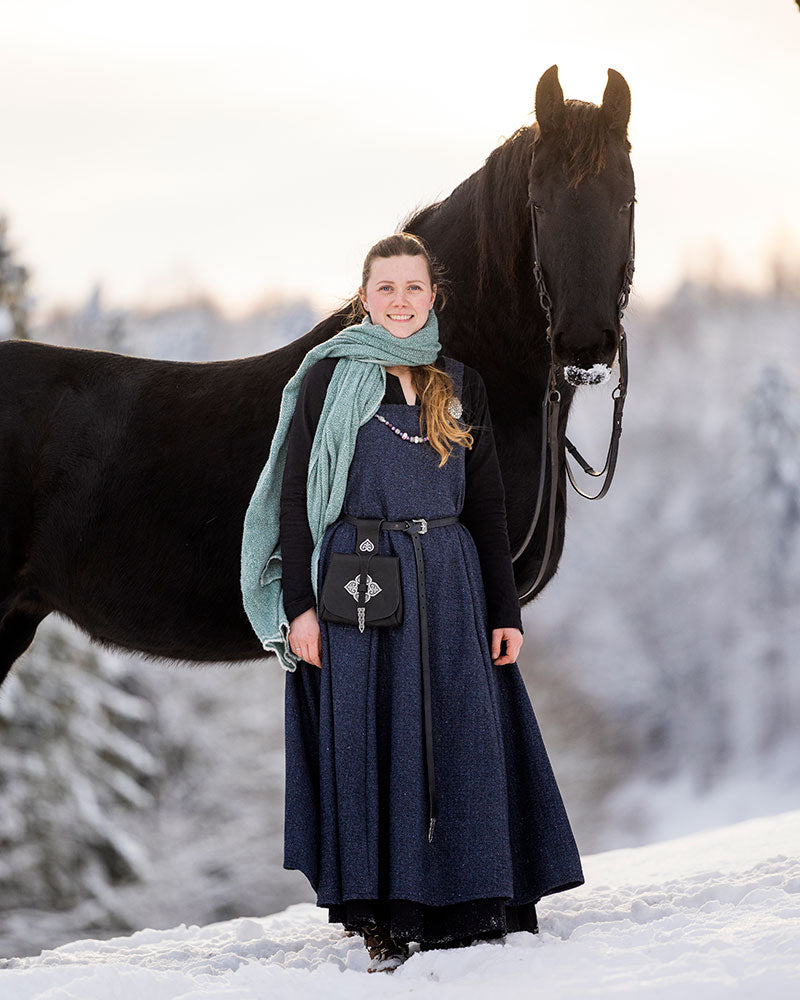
538, 207
626, 206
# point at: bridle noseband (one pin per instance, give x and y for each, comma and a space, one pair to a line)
551, 405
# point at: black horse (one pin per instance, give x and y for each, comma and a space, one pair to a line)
124, 481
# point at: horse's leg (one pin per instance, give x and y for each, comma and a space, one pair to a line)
18, 624
21, 608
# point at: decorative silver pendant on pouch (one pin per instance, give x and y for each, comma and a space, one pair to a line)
372, 589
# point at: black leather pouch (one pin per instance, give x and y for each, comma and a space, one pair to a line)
363, 588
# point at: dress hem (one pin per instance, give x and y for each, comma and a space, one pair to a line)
488, 918
369, 895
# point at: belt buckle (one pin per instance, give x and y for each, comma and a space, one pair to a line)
422, 523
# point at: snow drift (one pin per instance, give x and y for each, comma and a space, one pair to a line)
714, 914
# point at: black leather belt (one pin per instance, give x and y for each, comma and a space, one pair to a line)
416, 526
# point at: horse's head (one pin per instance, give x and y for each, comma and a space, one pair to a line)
582, 192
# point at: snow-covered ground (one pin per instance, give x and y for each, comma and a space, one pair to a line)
714, 914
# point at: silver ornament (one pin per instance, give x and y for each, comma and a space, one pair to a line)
454, 407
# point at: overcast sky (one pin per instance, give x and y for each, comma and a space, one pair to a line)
252, 149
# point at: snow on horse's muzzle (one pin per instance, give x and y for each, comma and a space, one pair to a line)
595, 375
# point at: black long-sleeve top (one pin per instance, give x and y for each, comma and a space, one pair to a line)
484, 512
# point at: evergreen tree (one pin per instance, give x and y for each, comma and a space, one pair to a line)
14, 301
770, 547
75, 767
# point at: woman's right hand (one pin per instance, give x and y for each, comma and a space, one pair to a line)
305, 639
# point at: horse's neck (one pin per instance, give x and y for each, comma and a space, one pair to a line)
516, 378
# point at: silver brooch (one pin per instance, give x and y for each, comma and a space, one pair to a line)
366, 546
454, 407
372, 588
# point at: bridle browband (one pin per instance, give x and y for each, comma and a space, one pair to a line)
551, 406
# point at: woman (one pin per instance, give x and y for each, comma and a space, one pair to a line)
420, 802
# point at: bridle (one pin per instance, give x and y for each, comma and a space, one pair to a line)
551, 406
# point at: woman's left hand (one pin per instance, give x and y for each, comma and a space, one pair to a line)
514, 640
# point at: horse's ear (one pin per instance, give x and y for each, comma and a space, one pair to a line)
549, 101
616, 105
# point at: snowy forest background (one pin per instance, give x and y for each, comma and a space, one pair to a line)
661, 661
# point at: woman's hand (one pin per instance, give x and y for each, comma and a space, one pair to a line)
513, 638
305, 639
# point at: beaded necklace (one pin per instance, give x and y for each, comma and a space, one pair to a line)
413, 438
454, 407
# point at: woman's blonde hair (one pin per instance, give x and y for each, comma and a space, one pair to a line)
433, 386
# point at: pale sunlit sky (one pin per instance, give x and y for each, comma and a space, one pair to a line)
252, 149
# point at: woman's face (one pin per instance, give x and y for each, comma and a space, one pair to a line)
399, 295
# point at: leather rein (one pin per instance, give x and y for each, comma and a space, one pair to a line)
551, 408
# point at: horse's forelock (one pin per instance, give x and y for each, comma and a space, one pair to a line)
584, 140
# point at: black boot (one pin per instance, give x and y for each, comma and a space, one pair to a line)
385, 952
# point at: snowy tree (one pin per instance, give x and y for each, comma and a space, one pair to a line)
14, 301
675, 605
76, 759
769, 538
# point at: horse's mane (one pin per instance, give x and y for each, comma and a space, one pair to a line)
494, 192
491, 197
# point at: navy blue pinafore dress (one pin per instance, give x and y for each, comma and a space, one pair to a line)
356, 818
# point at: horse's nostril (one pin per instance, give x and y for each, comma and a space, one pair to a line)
559, 343
585, 350
610, 339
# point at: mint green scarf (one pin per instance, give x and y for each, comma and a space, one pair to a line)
353, 397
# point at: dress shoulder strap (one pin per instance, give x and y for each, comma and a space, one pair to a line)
455, 369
